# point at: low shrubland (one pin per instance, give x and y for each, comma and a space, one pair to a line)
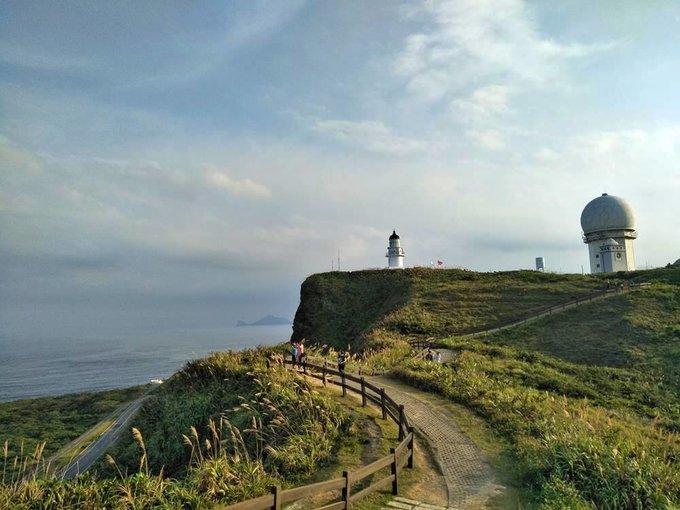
224, 429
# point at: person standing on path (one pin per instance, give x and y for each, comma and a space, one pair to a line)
301, 350
302, 357
342, 360
294, 353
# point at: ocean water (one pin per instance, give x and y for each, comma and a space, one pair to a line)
42, 366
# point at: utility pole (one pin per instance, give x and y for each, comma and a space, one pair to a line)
338, 259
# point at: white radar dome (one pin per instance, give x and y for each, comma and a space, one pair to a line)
607, 213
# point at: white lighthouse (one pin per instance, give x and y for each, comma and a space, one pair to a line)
608, 224
395, 253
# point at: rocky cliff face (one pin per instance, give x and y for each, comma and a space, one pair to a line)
340, 308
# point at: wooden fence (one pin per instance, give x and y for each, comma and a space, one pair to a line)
343, 491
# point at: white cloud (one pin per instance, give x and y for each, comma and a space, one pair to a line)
488, 138
481, 114
477, 40
371, 136
483, 104
244, 187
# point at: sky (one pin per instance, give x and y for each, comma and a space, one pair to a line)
171, 164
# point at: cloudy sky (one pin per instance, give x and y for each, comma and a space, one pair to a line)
186, 164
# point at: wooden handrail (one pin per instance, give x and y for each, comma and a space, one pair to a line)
396, 460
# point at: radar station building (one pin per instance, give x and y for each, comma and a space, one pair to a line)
395, 253
608, 224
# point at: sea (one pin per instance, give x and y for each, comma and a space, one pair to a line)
38, 366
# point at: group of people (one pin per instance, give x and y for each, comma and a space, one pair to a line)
297, 355
297, 352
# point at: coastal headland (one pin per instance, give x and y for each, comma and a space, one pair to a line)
576, 408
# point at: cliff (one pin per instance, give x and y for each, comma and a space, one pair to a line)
339, 308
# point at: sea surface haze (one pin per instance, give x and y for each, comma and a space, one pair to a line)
35, 366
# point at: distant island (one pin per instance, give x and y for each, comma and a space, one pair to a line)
268, 320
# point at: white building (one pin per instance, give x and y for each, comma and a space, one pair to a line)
540, 264
395, 253
608, 224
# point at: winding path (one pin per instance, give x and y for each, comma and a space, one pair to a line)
470, 481
469, 478
603, 294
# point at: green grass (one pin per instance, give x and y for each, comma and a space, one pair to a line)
582, 436
252, 428
455, 302
585, 402
58, 420
368, 309
640, 330
352, 454
339, 309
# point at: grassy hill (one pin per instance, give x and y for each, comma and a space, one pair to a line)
223, 429
588, 399
640, 329
364, 307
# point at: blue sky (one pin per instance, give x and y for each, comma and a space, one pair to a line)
174, 164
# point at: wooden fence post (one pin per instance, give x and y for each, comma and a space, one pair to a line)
344, 385
277, 497
410, 448
345, 489
401, 422
363, 392
323, 372
395, 472
382, 403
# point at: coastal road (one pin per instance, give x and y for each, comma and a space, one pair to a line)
84, 460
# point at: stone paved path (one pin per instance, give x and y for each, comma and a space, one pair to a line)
399, 503
469, 478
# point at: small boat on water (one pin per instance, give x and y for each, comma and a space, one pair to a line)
156, 381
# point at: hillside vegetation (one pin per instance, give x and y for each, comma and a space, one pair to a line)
640, 329
365, 307
587, 399
57, 420
223, 429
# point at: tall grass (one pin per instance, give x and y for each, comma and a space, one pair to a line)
572, 451
277, 431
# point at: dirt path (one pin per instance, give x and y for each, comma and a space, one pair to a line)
560, 308
469, 478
